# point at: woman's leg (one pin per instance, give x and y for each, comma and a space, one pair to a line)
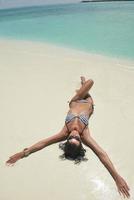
83, 91
83, 80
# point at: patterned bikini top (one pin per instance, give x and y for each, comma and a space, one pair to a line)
82, 117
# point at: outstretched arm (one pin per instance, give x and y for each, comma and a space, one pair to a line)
38, 146
104, 158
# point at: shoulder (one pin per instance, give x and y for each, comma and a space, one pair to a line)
85, 133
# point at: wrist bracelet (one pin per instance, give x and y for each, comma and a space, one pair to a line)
26, 153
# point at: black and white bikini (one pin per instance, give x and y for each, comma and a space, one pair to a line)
82, 117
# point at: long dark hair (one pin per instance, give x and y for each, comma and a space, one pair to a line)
72, 152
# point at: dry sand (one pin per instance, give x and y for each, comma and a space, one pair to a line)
36, 81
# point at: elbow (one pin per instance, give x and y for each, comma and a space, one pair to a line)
39, 146
103, 156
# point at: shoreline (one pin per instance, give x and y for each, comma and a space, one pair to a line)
65, 49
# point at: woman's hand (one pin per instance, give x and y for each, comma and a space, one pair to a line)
14, 158
122, 187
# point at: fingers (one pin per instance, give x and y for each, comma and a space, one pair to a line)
127, 186
9, 164
11, 161
124, 191
123, 188
119, 191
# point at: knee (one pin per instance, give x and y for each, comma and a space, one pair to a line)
90, 82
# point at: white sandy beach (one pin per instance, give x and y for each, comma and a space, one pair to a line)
36, 81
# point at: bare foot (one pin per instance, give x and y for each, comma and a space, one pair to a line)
83, 80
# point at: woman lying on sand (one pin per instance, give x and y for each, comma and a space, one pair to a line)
76, 132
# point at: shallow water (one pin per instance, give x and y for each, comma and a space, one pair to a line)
102, 28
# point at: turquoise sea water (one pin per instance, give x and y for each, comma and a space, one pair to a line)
103, 28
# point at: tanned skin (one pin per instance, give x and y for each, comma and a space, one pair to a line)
75, 127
